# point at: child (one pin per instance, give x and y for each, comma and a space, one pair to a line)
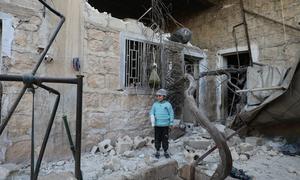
162, 116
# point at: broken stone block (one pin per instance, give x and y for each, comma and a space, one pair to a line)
161, 170
272, 153
105, 146
95, 149
112, 152
149, 141
124, 144
245, 147
266, 148
190, 156
199, 143
129, 154
243, 157
199, 174
139, 142
7, 169
255, 141
185, 172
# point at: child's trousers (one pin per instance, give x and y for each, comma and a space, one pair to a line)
161, 137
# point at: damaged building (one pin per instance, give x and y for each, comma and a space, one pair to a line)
242, 54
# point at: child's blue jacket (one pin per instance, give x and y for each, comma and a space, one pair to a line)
163, 113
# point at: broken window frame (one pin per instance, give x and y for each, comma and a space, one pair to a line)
144, 50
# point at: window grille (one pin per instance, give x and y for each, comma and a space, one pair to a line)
139, 59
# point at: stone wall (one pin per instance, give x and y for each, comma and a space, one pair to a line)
110, 110
270, 42
31, 33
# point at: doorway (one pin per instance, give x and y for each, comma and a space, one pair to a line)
235, 102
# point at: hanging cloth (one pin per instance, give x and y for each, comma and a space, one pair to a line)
154, 80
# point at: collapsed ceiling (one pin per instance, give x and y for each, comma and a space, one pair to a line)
179, 9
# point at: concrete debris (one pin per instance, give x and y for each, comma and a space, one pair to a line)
139, 142
7, 169
134, 159
95, 149
149, 141
197, 143
245, 147
105, 146
124, 144
255, 141
243, 157
129, 154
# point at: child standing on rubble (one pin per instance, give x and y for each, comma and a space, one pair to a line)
161, 116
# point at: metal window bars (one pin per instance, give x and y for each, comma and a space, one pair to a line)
33, 80
138, 62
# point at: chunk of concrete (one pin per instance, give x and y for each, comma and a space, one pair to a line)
161, 170
124, 144
185, 172
105, 146
245, 147
255, 141
197, 143
139, 142
7, 169
129, 154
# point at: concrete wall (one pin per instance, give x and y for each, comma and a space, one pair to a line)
271, 43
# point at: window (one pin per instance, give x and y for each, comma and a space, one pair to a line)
140, 57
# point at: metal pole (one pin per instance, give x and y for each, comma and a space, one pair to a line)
261, 89
72, 147
246, 31
78, 126
32, 135
36, 79
47, 134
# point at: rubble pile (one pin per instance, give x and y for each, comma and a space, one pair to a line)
132, 158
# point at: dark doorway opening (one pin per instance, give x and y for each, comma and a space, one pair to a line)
235, 102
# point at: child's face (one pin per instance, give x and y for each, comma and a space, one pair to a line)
159, 97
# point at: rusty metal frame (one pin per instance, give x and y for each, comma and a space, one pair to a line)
31, 80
